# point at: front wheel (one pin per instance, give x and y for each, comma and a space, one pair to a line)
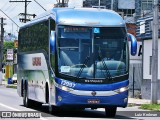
110, 111
53, 109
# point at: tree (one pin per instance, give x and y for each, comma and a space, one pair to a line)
8, 45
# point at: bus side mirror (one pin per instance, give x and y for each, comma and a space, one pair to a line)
133, 44
52, 42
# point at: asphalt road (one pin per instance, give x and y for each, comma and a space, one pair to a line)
10, 101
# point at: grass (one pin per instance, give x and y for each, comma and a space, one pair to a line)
11, 86
154, 107
131, 105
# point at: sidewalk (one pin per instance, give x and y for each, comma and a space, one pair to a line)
5, 83
138, 102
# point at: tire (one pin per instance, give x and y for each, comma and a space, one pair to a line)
110, 111
53, 109
47, 93
26, 102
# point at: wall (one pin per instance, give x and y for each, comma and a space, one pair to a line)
146, 59
135, 71
146, 89
146, 82
126, 4
75, 3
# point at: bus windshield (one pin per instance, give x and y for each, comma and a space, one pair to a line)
87, 52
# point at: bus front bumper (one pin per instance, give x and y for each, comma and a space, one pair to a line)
87, 99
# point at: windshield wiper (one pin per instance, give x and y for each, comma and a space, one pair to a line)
82, 67
108, 75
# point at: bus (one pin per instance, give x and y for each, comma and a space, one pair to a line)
75, 58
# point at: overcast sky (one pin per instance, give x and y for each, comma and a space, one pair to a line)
12, 9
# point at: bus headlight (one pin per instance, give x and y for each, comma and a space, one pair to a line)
66, 88
122, 89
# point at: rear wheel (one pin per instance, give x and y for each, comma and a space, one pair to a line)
110, 111
26, 101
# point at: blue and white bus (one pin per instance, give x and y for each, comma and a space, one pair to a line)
75, 57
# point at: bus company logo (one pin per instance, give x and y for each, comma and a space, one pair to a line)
36, 61
93, 93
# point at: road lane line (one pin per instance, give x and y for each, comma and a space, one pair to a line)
14, 109
3, 105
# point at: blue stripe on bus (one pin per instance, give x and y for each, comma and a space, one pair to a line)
95, 87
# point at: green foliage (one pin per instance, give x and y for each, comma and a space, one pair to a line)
12, 86
8, 45
155, 107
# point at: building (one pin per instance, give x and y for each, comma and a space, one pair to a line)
107, 4
144, 32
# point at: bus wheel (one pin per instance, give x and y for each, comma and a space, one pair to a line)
26, 102
110, 111
53, 109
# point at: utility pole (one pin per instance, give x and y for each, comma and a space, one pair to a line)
1, 48
63, 3
154, 80
99, 4
112, 2
25, 12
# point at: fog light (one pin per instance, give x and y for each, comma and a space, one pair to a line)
125, 100
59, 98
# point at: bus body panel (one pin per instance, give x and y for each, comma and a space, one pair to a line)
92, 87
68, 99
35, 68
80, 17
80, 94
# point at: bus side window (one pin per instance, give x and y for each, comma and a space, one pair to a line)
52, 43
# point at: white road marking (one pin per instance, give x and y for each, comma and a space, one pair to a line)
14, 109
11, 108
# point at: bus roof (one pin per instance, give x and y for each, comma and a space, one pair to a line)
81, 17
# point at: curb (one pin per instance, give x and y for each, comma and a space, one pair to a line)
11, 86
133, 104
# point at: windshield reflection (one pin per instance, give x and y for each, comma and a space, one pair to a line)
81, 56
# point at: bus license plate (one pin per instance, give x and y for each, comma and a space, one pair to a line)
93, 101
